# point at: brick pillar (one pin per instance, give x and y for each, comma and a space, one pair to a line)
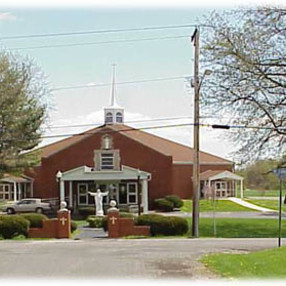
113, 223
64, 224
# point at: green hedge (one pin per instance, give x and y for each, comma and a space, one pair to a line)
13, 225
95, 221
176, 200
36, 220
163, 205
73, 226
164, 225
86, 211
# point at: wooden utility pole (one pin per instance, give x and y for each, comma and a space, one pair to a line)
196, 159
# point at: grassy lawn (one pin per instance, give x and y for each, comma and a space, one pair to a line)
220, 206
271, 204
260, 264
260, 193
241, 227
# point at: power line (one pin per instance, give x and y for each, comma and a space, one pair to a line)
119, 83
132, 121
77, 33
214, 126
100, 43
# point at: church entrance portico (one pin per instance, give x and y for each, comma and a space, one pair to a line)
128, 186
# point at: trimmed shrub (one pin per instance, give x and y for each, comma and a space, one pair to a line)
163, 225
73, 226
163, 205
176, 200
95, 221
86, 211
13, 225
36, 220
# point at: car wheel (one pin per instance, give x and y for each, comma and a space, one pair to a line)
39, 210
10, 211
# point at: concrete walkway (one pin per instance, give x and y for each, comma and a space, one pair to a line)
249, 205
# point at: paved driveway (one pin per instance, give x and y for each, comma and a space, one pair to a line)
117, 258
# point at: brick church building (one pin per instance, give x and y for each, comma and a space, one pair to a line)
117, 158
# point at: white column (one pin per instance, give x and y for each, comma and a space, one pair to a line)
15, 192
144, 186
20, 190
62, 191
241, 189
70, 195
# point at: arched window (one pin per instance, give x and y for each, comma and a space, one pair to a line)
108, 117
119, 118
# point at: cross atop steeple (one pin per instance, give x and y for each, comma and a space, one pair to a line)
113, 114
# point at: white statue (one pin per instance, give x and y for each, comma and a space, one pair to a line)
98, 196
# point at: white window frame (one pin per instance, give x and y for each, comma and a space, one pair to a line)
136, 193
119, 117
5, 191
108, 117
78, 194
111, 156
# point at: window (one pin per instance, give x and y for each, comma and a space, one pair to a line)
106, 161
108, 117
132, 193
82, 194
122, 194
4, 192
119, 117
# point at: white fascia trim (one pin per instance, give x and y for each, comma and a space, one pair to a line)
201, 163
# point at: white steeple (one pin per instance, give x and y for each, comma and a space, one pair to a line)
113, 114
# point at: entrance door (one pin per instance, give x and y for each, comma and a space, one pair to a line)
221, 189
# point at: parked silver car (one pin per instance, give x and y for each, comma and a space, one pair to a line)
27, 205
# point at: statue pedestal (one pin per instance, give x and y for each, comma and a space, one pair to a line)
113, 223
63, 224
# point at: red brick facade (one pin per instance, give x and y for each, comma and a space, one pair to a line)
168, 176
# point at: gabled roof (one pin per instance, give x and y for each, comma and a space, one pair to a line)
179, 152
219, 174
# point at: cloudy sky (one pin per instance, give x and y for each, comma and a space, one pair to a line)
139, 55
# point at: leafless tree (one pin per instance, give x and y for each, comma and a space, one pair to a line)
246, 51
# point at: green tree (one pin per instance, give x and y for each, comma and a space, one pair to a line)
22, 110
246, 51
259, 176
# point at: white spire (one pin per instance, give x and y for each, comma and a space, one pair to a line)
113, 95
113, 114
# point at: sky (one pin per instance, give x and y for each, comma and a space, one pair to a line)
135, 61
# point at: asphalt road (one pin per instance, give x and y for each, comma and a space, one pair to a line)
117, 258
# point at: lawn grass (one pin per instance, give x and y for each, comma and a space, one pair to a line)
260, 264
271, 204
260, 193
220, 206
241, 228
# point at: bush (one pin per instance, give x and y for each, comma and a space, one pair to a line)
163, 225
163, 205
176, 200
13, 225
95, 221
73, 226
36, 220
86, 211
